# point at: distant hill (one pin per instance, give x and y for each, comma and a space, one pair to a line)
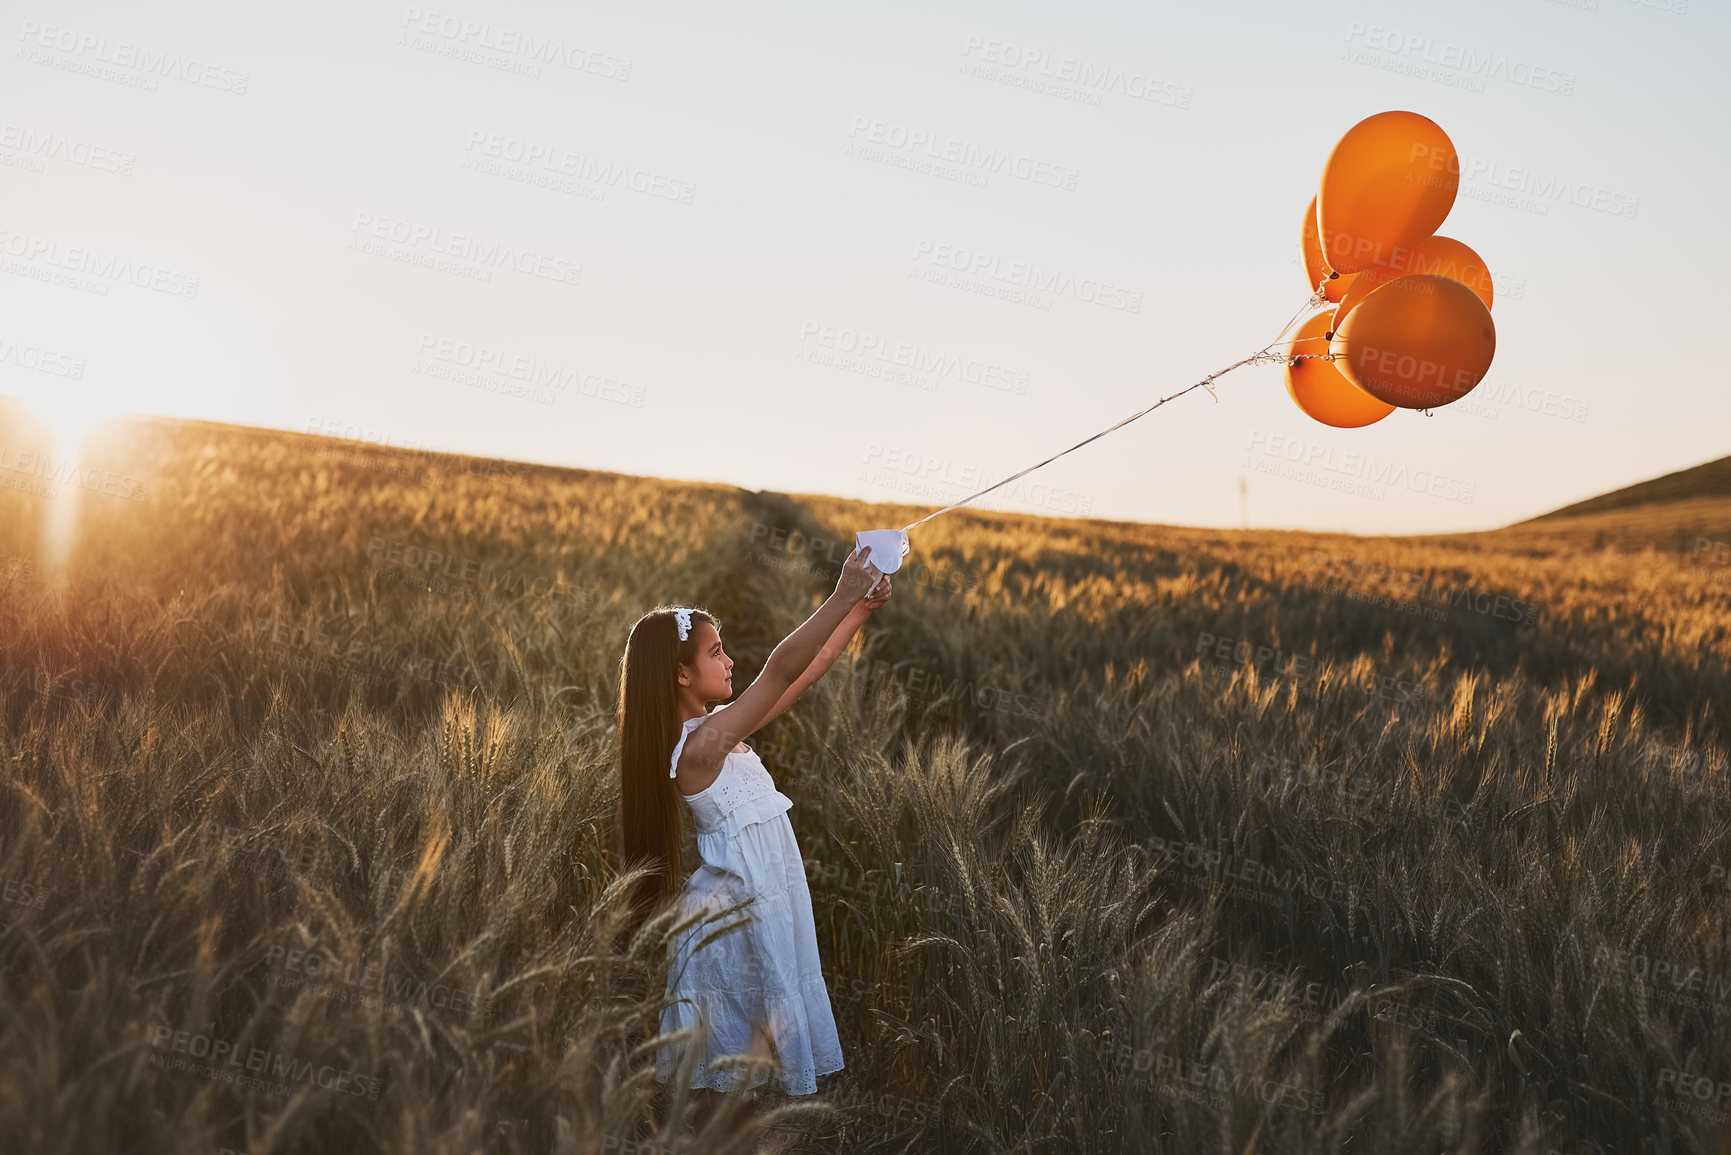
1687, 512
1710, 480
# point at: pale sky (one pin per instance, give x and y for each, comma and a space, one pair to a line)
370, 217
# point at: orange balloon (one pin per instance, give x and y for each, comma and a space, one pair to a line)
1417, 342
1320, 389
1444, 256
1390, 181
1310, 244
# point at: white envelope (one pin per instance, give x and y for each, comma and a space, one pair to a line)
887, 546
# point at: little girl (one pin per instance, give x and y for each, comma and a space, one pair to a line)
757, 990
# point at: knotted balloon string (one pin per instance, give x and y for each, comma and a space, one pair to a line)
1262, 356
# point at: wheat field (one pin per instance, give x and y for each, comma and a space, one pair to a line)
1120, 837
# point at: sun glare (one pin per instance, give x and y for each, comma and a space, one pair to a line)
69, 422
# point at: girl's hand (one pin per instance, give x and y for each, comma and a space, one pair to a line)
878, 596
857, 576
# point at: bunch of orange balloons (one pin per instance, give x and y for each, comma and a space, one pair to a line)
1410, 323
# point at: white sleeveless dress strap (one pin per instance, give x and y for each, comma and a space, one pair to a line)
684, 733
743, 791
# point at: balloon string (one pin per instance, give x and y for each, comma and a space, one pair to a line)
1261, 356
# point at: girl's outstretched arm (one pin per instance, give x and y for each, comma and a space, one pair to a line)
826, 657
797, 651
711, 740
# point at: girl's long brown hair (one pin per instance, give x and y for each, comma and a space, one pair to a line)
652, 817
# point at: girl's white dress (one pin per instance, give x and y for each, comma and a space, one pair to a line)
763, 978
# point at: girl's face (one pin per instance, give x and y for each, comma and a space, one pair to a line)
711, 679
